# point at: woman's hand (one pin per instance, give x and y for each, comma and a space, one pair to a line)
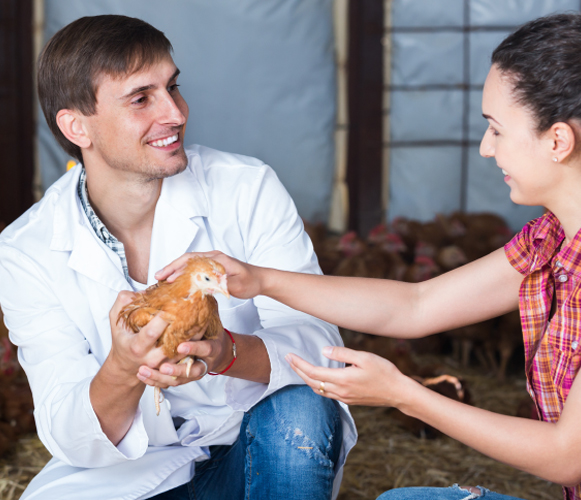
370, 380
245, 281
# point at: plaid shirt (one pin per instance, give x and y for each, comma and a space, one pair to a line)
552, 346
100, 230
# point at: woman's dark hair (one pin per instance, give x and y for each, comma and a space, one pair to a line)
77, 56
542, 59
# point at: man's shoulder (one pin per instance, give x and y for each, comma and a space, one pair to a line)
214, 158
36, 225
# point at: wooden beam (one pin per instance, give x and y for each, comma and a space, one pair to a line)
365, 91
16, 109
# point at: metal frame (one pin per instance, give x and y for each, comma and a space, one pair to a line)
466, 87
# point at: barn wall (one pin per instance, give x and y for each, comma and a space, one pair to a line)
259, 78
439, 55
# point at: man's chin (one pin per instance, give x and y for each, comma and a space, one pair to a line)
174, 166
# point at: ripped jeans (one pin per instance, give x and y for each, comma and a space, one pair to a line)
452, 493
288, 446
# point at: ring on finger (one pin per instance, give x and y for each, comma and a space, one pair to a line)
205, 367
322, 388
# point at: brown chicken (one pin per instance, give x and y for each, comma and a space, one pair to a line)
186, 304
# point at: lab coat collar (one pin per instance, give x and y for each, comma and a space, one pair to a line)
179, 216
182, 199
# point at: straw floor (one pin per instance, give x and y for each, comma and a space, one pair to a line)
386, 455
389, 456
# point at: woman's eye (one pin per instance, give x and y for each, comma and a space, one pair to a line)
494, 132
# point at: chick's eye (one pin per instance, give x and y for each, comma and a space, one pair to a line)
206, 278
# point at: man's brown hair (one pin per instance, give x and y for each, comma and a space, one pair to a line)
77, 56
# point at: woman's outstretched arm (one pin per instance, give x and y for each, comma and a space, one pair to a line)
480, 290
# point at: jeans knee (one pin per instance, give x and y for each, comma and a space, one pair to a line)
296, 420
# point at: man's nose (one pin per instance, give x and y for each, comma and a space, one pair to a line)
170, 112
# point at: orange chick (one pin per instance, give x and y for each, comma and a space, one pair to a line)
187, 305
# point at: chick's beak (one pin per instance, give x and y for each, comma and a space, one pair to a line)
223, 286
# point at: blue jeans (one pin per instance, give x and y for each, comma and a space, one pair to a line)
288, 446
451, 493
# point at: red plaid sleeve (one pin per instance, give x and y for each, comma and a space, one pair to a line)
517, 250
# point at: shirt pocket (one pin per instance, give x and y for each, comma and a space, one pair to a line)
565, 346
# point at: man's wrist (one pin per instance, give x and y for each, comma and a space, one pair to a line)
114, 373
229, 359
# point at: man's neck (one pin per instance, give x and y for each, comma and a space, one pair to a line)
127, 207
123, 204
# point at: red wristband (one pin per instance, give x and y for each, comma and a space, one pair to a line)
233, 355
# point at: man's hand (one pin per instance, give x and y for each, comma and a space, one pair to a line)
216, 353
245, 281
131, 350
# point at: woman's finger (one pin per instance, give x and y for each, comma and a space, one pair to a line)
316, 373
345, 355
321, 387
173, 269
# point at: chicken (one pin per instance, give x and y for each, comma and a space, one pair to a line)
186, 304
16, 407
3, 329
447, 385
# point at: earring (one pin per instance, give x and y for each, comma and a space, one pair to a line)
555, 159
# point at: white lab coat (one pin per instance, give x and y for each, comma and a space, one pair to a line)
58, 282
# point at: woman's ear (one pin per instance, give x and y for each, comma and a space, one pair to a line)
563, 140
71, 125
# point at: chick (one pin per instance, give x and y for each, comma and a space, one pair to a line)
187, 305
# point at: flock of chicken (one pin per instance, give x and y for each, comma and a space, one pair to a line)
408, 250
16, 418
411, 251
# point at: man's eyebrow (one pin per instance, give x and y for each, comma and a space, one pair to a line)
175, 75
488, 117
137, 90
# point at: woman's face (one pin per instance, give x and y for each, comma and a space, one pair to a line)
523, 155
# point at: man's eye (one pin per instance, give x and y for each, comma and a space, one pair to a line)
173, 88
141, 100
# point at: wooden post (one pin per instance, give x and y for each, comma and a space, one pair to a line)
16, 109
365, 90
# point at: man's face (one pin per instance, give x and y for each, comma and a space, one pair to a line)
139, 124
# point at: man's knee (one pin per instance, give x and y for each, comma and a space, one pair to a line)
298, 421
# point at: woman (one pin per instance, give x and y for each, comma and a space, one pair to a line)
532, 101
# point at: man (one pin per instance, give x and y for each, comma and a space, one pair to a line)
136, 201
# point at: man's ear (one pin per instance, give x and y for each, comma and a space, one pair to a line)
71, 125
563, 140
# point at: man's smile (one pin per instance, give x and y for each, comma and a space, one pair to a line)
165, 141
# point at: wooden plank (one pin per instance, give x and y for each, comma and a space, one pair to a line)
16, 109
365, 90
